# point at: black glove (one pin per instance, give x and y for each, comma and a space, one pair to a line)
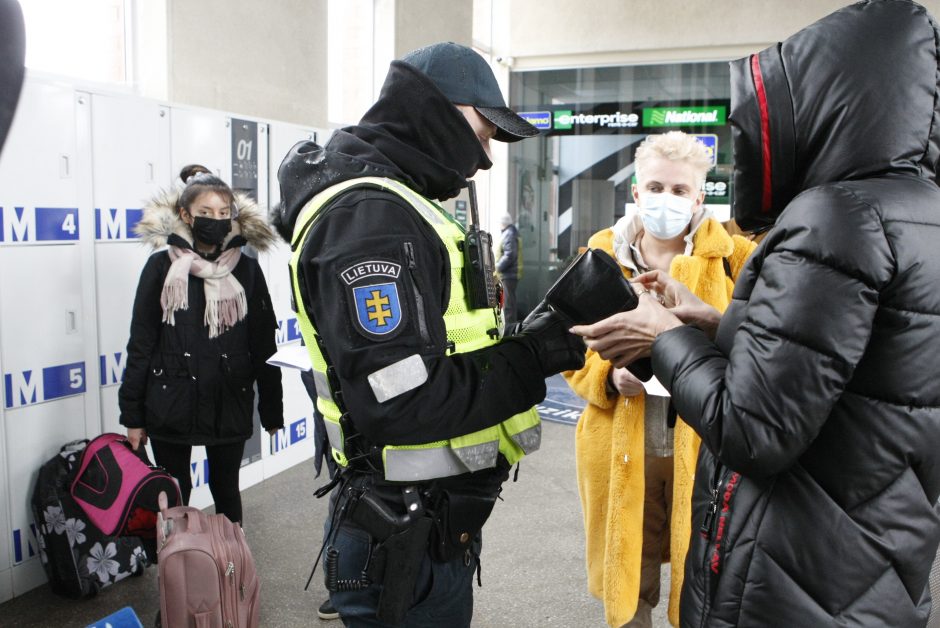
546, 334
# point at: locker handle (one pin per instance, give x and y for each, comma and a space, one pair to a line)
149, 172
71, 321
64, 167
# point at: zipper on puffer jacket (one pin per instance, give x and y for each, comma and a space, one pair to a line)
419, 299
714, 530
194, 411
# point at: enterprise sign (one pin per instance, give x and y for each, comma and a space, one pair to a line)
567, 119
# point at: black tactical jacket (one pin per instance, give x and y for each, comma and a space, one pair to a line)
414, 135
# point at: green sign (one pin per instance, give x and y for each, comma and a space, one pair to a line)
562, 120
684, 116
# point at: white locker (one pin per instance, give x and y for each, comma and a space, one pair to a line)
294, 443
131, 163
45, 378
75, 172
200, 136
282, 137
42, 324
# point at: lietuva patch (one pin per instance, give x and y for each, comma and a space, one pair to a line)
376, 301
372, 268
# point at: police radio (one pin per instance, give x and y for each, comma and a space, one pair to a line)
478, 270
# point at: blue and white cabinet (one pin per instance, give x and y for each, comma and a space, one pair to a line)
43, 327
75, 172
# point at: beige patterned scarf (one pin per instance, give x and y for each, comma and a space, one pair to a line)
226, 303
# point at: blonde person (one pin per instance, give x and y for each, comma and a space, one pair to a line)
634, 469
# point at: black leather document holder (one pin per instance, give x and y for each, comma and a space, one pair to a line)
591, 289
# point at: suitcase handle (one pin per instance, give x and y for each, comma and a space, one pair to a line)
193, 520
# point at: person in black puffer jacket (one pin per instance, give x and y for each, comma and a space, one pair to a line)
817, 400
202, 329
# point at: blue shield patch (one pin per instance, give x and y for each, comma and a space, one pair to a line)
378, 309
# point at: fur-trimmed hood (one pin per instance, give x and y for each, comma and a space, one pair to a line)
161, 220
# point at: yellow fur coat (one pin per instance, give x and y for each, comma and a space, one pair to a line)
610, 442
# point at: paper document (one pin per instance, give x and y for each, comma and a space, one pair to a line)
292, 357
653, 387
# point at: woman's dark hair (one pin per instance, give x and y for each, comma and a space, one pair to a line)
199, 179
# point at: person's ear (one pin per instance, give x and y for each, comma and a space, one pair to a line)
636, 194
184, 214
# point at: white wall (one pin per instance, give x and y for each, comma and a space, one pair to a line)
265, 59
555, 33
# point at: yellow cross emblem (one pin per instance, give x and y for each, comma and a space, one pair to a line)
376, 309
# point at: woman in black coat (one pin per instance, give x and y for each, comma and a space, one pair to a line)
817, 397
202, 329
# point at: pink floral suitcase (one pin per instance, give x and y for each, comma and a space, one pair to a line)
79, 559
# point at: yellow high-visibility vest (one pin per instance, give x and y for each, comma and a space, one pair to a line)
467, 330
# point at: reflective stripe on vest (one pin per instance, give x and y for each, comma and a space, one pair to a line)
467, 329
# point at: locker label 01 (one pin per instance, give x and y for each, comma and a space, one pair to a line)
27, 388
38, 224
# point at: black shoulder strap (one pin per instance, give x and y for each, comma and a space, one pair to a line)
727, 265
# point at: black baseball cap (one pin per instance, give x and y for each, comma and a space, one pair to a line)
465, 78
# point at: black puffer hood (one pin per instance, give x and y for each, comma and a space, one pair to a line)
851, 96
412, 134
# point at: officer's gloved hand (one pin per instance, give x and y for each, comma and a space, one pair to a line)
546, 334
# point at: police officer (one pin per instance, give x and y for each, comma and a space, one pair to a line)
426, 407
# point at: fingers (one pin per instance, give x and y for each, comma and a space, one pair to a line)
653, 280
621, 360
599, 328
136, 437
670, 290
618, 324
650, 276
603, 345
630, 377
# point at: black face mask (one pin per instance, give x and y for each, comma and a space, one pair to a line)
210, 230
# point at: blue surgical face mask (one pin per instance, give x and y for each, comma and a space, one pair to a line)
665, 215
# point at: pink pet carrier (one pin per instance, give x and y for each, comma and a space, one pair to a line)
118, 488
